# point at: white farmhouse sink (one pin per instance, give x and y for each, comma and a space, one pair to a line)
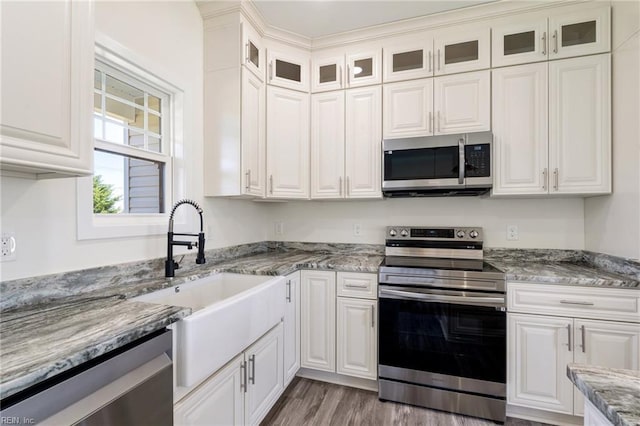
230, 311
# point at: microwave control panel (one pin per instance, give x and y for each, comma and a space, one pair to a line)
477, 160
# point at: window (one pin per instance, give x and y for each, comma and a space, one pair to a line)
131, 156
139, 158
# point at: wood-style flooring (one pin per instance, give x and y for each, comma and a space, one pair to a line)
308, 402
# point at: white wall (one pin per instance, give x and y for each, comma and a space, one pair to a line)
168, 37
612, 223
542, 223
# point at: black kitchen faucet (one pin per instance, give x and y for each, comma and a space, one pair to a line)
170, 265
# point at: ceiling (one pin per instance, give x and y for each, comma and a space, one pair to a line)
318, 18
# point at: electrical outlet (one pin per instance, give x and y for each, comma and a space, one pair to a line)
357, 229
512, 232
8, 246
279, 226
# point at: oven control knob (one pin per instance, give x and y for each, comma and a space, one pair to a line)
473, 233
404, 233
460, 233
392, 232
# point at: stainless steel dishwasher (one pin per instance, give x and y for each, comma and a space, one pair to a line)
132, 385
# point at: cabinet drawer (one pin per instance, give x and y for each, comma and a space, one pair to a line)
358, 284
581, 302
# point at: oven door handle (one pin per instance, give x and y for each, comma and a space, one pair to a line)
494, 302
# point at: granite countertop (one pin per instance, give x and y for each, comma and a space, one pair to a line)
47, 338
615, 392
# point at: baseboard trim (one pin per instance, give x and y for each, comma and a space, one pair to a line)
338, 379
543, 416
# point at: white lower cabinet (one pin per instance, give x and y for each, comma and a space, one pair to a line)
541, 346
339, 334
292, 328
243, 391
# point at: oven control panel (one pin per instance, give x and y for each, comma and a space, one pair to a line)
434, 233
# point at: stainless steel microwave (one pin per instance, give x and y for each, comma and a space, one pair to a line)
437, 165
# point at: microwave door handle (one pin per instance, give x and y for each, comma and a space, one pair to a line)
462, 165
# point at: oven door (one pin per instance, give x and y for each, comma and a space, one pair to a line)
447, 339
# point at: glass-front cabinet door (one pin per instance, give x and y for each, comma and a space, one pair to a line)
580, 32
465, 49
327, 73
520, 41
405, 60
253, 51
364, 68
289, 70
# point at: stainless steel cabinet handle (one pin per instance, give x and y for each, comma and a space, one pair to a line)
429, 61
356, 286
576, 302
373, 315
430, 121
584, 339
340, 185
246, 48
544, 179
555, 41
569, 336
438, 121
347, 191
252, 361
243, 373
248, 175
555, 179
544, 43
340, 72
438, 59
348, 75
270, 184
270, 70
289, 291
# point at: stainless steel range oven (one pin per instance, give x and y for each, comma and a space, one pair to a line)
442, 323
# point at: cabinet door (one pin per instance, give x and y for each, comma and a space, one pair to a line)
264, 374
408, 109
47, 66
292, 328
364, 142
407, 60
253, 54
218, 401
605, 344
462, 49
287, 143
253, 135
580, 125
327, 145
364, 68
318, 320
289, 70
520, 129
462, 103
356, 338
327, 73
580, 32
519, 41
540, 348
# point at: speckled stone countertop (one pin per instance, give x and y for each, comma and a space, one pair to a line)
61, 329
615, 392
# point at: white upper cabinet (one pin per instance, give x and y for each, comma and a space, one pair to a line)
462, 103
327, 145
462, 49
408, 109
363, 142
287, 143
288, 68
520, 129
253, 135
47, 66
327, 72
580, 32
571, 31
408, 58
253, 57
519, 40
364, 67
580, 125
